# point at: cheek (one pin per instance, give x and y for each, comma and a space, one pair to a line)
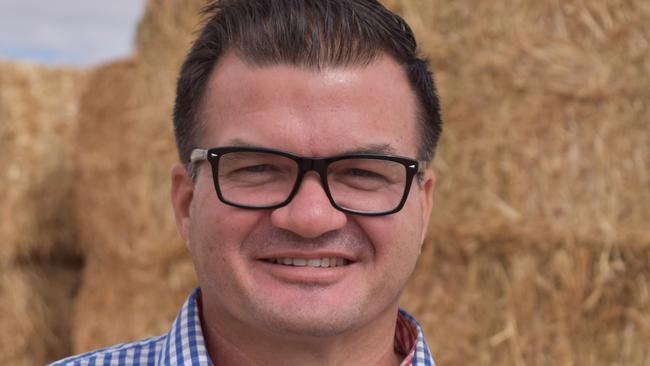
216, 238
217, 230
396, 238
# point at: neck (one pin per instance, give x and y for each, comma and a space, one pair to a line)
229, 343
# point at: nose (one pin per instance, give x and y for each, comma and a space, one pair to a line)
310, 213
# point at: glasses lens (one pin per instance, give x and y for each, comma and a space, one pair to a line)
367, 185
256, 179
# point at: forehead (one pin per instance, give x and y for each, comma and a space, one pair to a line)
307, 111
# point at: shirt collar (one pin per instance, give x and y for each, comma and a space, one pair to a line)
409, 341
185, 345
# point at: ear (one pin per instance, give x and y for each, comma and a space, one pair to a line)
182, 191
426, 199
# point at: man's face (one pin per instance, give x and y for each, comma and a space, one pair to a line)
316, 114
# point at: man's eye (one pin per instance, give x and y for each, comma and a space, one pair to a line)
361, 179
260, 168
363, 173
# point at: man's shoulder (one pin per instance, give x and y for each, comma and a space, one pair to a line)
182, 345
141, 352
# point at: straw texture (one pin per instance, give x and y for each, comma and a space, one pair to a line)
134, 253
538, 251
40, 260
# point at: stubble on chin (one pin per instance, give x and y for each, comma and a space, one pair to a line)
306, 319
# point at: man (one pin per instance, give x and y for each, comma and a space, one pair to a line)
304, 128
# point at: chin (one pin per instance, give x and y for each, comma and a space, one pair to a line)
310, 321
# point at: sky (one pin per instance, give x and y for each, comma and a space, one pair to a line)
68, 32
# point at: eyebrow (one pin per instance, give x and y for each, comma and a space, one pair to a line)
239, 143
363, 149
373, 149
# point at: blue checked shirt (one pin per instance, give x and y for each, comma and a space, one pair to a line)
184, 345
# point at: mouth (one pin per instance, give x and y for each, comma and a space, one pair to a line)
301, 268
326, 262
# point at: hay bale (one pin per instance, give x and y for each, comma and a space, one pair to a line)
545, 107
538, 248
547, 114
39, 258
135, 252
132, 228
121, 301
127, 114
164, 35
507, 294
538, 245
38, 119
36, 312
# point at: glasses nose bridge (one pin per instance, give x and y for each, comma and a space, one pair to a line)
319, 165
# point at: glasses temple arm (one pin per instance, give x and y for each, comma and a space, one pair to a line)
198, 155
423, 165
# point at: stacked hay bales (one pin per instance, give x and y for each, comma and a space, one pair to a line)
39, 259
136, 260
538, 250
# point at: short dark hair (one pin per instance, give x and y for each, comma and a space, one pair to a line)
306, 33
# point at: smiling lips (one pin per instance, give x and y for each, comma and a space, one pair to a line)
326, 262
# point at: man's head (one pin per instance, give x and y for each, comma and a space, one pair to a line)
312, 79
308, 34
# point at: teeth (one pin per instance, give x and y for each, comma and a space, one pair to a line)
317, 262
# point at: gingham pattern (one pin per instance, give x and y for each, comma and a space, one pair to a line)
409, 336
184, 345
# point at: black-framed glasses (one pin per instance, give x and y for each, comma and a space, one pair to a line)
261, 178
